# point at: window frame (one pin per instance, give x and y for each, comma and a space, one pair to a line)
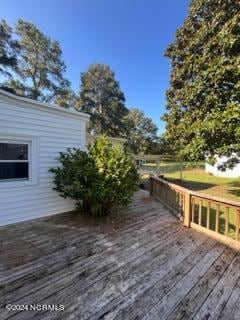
32, 142
29, 161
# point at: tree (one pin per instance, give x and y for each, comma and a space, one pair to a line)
7, 49
40, 67
67, 98
203, 100
142, 132
101, 96
163, 146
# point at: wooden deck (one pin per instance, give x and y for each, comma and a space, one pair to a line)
139, 263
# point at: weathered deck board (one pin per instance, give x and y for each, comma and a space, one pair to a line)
188, 306
138, 263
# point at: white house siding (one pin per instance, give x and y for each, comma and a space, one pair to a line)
229, 173
54, 130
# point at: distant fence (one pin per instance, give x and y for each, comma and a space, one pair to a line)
216, 217
154, 157
157, 159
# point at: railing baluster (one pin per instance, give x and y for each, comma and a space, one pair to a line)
173, 202
187, 209
227, 222
176, 202
200, 213
179, 203
183, 204
151, 186
193, 209
237, 224
208, 215
175, 199
217, 219
170, 197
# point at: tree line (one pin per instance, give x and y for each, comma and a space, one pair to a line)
32, 65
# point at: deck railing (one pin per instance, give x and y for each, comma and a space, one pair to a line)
216, 217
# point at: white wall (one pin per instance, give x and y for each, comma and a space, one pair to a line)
53, 131
229, 173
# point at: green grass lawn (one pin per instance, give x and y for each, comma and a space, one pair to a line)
195, 178
198, 180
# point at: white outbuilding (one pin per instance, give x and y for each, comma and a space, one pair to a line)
31, 136
216, 171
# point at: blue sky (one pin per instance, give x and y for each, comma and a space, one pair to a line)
129, 35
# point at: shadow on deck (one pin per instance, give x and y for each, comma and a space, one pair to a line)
138, 263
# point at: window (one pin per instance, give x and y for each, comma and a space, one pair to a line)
18, 160
14, 160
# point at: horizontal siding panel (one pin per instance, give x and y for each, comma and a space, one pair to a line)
40, 112
43, 171
14, 123
43, 193
49, 164
36, 204
41, 188
60, 139
46, 175
43, 168
43, 181
50, 147
51, 153
40, 121
30, 215
45, 159
10, 128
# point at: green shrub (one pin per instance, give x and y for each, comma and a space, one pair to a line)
97, 180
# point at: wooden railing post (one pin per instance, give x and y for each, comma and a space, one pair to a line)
187, 210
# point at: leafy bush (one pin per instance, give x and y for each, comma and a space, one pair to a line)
97, 180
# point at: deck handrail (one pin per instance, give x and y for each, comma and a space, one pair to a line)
207, 213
